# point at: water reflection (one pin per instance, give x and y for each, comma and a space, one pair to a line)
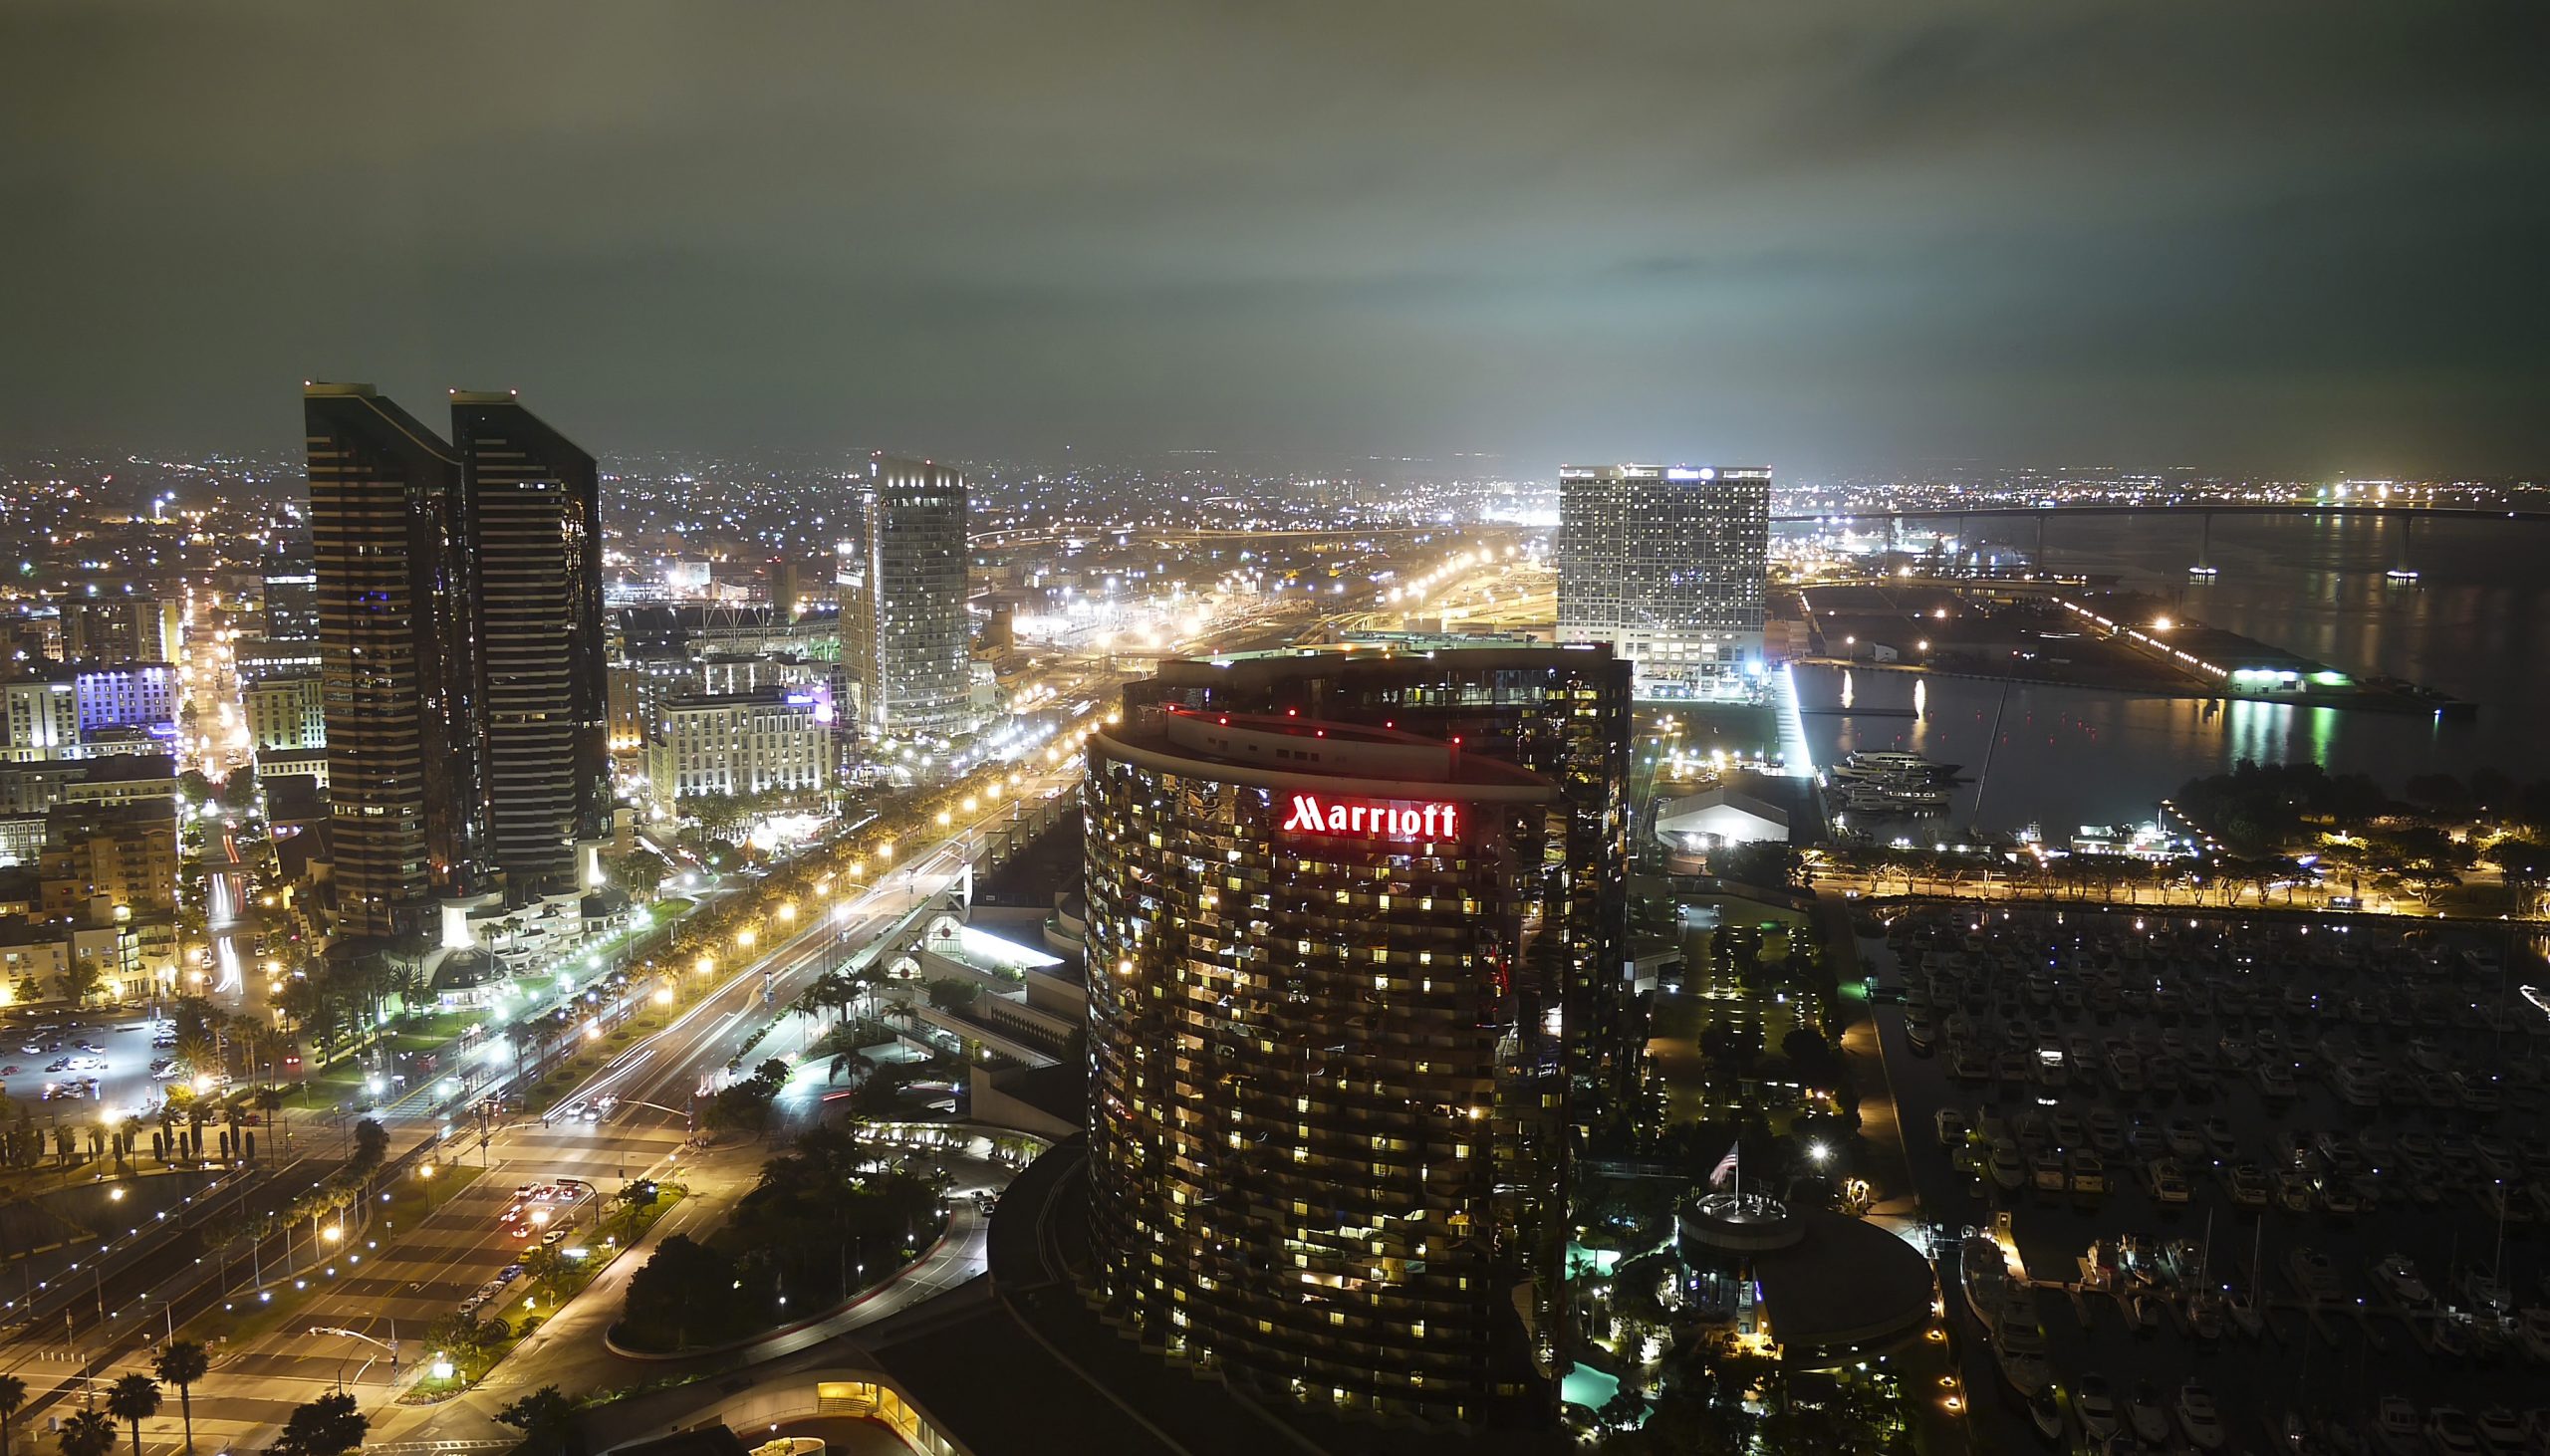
2477, 627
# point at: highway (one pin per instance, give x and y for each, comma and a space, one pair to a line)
402, 1279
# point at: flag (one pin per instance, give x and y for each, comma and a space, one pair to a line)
1725, 1168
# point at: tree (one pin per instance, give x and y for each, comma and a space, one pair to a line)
685, 1288
13, 1394
133, 1399
547, 1268
547, 1421
78, 981
88, 1433
181, 1364
372, 1144
328, 1426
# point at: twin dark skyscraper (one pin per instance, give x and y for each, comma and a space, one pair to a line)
462, 657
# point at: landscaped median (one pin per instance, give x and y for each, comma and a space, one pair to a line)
250, 1313
838, 1207
461, 1349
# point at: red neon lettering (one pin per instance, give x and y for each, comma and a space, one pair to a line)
1309, 815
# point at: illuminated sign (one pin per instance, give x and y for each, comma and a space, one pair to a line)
1384, 819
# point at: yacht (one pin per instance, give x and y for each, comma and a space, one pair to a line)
2096, 1404
1884, 762
2199, 1416
2313, 1273
2395, 1427
2150, 1418
2398, 1279
2450, 1432
1985, 1273
2501, 1431
2009, 1172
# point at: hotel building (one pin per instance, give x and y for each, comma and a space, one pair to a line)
1329, 1068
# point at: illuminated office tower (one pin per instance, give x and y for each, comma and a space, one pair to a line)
532, 530
1328, 1071
909, 638
1666, 563
406, 806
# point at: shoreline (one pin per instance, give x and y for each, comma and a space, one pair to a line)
2392, 704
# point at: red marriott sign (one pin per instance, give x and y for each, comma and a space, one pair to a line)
1373, 819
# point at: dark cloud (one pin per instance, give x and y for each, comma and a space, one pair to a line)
2290, 236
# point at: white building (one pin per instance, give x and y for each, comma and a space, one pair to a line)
1717, 818
770, 740
1666, 563
40, 720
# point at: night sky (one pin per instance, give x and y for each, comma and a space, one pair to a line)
2304, 238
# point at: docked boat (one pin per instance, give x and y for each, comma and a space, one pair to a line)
1985, 1272
2532, 1330
2009, 1171
2398, 1280
2501, 1432
2089, 1175
1887, 763
2243, 1312
2395, 1429
2046, 1412
2293, 1192
2149, 1417
2312, 1273
2199, 1416
2096, 1403
2249, 1190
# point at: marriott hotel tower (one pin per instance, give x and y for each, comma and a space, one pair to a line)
1330, 1070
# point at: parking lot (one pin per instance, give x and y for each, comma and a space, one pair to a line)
85, 1067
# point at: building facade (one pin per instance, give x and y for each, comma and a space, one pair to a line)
1667, 564
771, 740
1327, 1068
290, 606
531, 522
124, 854
407, 818
40, 718
132, 695
121, 627
910, 650
285, 711
1561, 712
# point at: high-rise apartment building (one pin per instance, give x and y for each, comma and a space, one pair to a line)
908, 641
121, 627
1666, 563
1561, 712
531, 523
290, 606
406, 810
1328, 1069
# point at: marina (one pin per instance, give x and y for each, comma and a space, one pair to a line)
2224, 1184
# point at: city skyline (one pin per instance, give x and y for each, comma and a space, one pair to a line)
2281, 237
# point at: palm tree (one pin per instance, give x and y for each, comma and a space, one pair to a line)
13, 1393
87, 1433
181, 1364
133, 1398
